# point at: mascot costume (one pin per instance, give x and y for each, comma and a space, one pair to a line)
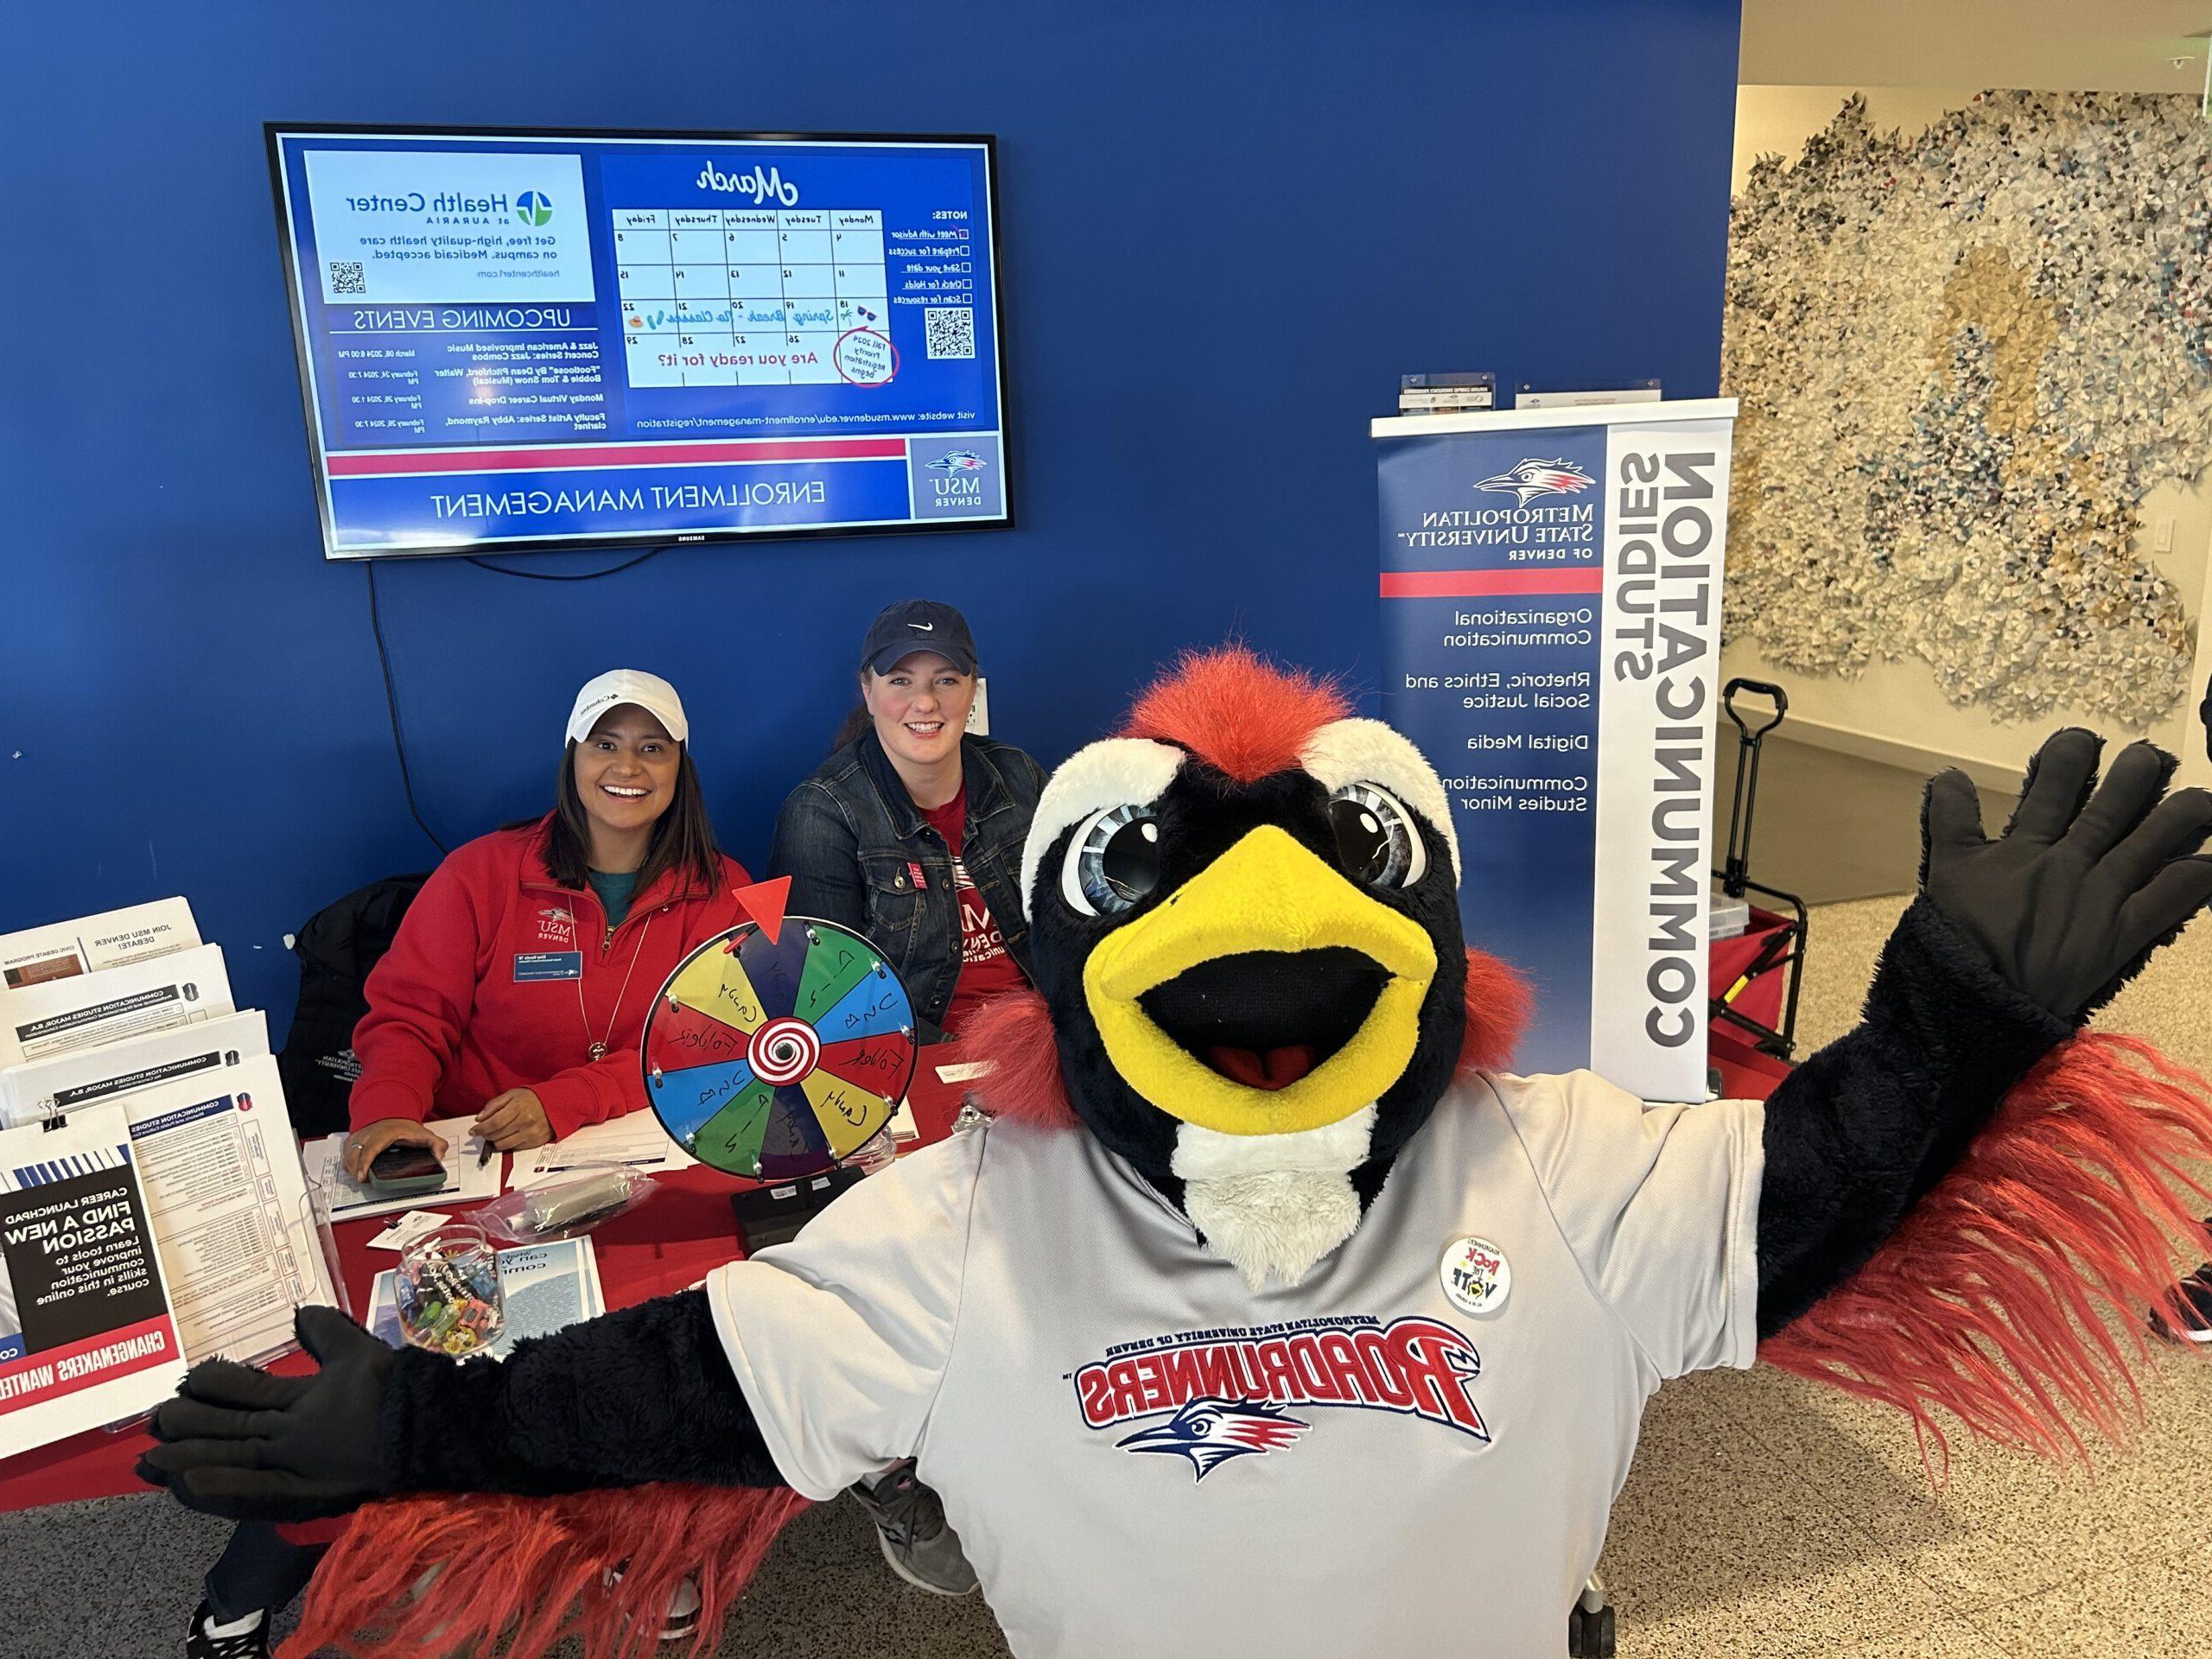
1267, 1316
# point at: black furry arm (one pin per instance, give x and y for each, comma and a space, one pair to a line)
645, 1394
2011, 944
1865, 1127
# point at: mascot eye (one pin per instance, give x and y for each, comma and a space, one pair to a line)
1113, 863
1376, 842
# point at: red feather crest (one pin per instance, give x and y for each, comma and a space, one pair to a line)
1236, 711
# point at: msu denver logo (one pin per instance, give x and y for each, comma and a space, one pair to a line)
959, 461
1533, 478
1229, 1391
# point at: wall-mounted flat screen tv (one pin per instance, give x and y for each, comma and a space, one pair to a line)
511, 341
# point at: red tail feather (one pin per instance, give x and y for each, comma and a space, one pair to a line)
1016, 1029
1498, 1013
1989, 1301
519, 1575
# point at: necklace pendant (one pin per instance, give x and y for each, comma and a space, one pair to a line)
599, 1051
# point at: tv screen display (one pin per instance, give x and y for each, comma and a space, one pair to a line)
511, 340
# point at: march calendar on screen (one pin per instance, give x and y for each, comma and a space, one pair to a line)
512, 340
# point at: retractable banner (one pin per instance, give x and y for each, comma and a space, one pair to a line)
1551, 622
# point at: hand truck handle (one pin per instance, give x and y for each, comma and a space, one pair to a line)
1779, 697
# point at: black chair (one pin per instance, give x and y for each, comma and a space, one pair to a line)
337, 947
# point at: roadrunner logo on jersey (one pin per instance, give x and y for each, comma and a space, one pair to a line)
1224, 1392
1533, 478
1211, 1431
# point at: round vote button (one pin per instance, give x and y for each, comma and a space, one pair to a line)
1476, 1276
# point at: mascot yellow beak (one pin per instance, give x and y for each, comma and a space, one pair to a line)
1267, 893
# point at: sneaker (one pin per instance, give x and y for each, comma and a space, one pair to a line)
910, 1526
2195, 1296
240, 1639
681, 1622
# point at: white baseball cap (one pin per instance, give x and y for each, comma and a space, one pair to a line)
620, 685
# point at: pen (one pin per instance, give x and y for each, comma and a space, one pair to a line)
485, 1156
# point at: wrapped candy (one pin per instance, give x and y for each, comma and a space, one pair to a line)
448, 1290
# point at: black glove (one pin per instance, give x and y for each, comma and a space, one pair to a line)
2077, 893
240, 1443
642, 1395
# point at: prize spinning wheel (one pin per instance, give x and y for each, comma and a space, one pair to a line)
779, 1055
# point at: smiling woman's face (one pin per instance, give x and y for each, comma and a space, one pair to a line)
920, 708
626, 771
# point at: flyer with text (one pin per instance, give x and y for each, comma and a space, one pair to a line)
1551, 601
86, 1337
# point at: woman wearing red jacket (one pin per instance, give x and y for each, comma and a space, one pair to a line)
517, 990
518, 985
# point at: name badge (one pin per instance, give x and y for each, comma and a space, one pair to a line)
532, 965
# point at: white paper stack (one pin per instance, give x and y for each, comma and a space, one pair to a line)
110, 940
73, 1011
39, 1088
635, 1139
129, 1012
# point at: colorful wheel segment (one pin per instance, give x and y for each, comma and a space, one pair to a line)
777, 1058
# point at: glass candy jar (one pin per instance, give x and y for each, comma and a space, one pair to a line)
448, 1291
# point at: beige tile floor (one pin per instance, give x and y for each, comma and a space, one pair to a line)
1771, 1516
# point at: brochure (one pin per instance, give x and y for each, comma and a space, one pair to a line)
88, 944
230, 1207
37, 1090
53, 1016
87, 1335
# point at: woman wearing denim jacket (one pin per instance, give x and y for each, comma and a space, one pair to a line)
911, 832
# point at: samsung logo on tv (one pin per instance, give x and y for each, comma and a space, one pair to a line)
757, 186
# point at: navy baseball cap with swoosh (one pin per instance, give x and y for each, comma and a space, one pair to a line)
912, 624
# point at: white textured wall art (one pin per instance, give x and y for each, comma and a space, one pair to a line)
1964, 358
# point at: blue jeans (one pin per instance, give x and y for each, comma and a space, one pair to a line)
259, 1571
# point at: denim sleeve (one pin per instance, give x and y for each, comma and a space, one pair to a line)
816, 847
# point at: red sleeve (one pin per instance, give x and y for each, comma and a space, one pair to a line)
592, 1093
420, 998
615, 1084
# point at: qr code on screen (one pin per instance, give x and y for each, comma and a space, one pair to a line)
345, 277
951, 330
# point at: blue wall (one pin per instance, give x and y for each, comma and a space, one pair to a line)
1226, 229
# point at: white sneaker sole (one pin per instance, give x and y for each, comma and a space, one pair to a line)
906, 1573
2199, 1335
